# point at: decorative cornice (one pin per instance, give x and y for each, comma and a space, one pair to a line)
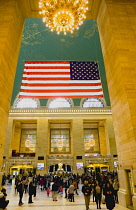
96, 111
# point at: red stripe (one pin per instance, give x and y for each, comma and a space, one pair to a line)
47, 73
47, 62
46, 67
55, 68
61, 91
83, 96
59, 84
47, 78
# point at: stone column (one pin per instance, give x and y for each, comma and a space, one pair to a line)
15, 140
117, 28
42, 143
8, 147
77, 141
103, 140
11, 25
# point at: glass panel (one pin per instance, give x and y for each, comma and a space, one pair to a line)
26, 103
60, 141
93, 103
60, 103
28, 141
91, 140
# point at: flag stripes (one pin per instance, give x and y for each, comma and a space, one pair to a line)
51, 79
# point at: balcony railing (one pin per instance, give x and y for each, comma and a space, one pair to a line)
22, 155
59, 157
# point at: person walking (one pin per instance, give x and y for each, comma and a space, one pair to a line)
48, 192
66, 186
20, 189
61, 191
26, 185
93, 189
116, 188
71, 193
109, 196
98, 194
31, 192
41, 183
54, 191
75, 186
86, 190
35, 182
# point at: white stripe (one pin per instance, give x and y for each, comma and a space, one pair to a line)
61, 94
46, 76
48, 64
61, 81
47, 70
62, 88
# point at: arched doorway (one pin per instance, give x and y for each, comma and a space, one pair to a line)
59, 169
21, 170
97, 168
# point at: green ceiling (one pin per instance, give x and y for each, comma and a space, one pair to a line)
40, 44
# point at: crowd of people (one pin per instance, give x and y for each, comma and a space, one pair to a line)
103, 187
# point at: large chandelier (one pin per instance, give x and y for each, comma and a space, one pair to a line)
63, 15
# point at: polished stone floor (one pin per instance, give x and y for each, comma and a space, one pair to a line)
42, 202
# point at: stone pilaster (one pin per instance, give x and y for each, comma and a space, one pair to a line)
103, 140
11, 26
42, 143
117, 28
77, 141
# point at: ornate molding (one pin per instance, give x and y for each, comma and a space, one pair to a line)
96, 111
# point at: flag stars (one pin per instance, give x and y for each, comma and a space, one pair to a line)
84, 71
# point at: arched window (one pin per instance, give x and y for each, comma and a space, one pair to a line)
60, 103
92, 103
26, 103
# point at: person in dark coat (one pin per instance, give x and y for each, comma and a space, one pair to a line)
35, 183
66, 186
31, 192
98, 194
3, 201
20, 189
109, 196
86, 190
54, 191
93, 189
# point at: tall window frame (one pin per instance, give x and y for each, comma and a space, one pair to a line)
60, 140
91, 140
28, 140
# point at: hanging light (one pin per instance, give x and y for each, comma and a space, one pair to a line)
63, 15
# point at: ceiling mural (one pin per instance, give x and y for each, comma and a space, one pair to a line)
40, 44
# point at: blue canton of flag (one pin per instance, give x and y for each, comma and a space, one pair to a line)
84, 71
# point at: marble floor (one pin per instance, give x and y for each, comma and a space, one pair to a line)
42, 202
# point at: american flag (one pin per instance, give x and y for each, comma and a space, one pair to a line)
52, 79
